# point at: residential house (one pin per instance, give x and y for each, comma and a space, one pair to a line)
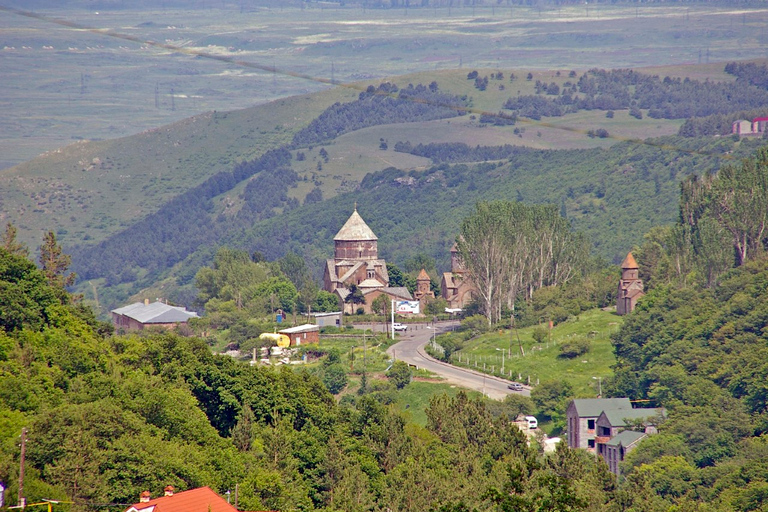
741, 127
302, 334
615, 439
582, 415
202, 499
760, 125
757, 127
332, 319
141, 315
616, 448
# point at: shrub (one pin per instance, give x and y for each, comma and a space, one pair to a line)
399, 374
475, 324
574, 348
540, 334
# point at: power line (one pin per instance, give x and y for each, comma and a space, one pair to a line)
274, 70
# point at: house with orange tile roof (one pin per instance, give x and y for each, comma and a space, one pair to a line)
202, 499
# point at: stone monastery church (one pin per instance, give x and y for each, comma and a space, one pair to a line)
356, 262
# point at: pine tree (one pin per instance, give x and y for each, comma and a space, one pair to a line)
10, 244
55, 263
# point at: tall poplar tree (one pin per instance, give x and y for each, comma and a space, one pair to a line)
511, 249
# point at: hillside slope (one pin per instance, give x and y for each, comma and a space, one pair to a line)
92, 189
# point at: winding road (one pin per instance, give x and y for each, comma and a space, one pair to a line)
411, 350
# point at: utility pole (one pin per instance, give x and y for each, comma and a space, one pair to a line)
392, 313
22, 502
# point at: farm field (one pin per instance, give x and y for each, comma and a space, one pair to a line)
62, 84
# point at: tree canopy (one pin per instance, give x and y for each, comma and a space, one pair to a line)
511, 249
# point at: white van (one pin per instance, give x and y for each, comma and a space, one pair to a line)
532, 422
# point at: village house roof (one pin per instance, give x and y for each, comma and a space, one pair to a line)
155, 313
202, 499
300, 328
355, 229
619, 417
629, 262
592, 407
626, 438
423, 276
324, 314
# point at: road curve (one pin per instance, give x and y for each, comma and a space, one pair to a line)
411, 350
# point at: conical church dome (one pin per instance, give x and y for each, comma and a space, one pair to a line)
355, 229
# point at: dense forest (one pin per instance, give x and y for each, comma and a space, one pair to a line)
621, 89
381, 105
702, 354
109, 416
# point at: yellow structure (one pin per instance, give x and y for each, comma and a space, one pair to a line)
281, 340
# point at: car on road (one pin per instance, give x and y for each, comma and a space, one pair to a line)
515, 386
399, 327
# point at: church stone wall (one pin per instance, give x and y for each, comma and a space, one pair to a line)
356, 250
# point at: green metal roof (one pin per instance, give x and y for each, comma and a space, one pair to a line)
618, 417
626, 438
592, 407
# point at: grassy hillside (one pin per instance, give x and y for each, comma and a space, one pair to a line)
542, 361
614, 193
91, 189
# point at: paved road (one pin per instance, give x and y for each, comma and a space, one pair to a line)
411, 350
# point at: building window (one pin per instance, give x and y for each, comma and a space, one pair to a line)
591, 424
605, 431
591, 443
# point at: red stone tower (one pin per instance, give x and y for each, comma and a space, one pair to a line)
630, 286
423, 288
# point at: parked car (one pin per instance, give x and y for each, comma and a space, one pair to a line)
515, 386
399, 327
